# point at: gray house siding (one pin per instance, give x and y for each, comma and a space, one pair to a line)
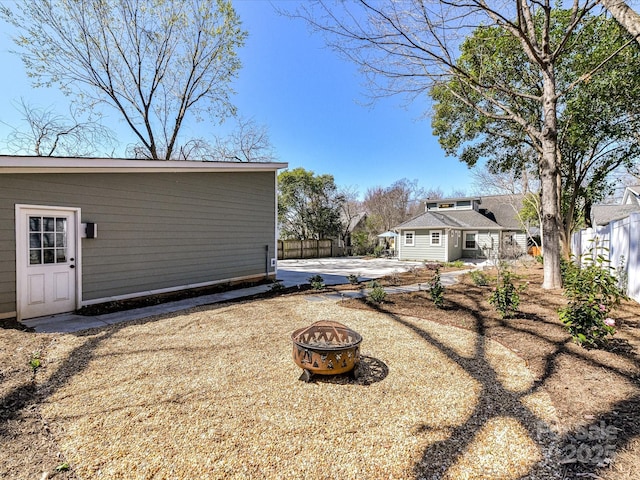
7, 260
422, 249
486, 241
156, 230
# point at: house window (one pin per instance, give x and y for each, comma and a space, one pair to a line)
436, 236
508, 239
456, 236
446, 205
409, 238
470, 240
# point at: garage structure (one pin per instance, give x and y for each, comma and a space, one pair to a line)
82, 231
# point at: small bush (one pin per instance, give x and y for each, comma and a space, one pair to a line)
436, 290
506, 296
377, 293
276, 287
413, 270
394, 278
34, 361
317, 282
479, 278
592, 293
353, 279
378, 251
456, 264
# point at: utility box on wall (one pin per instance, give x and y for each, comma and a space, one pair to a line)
89, 230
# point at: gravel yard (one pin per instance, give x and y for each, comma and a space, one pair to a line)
213, 393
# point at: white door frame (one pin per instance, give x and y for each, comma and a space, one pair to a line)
22, 251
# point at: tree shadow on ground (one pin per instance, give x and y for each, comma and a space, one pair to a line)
25, 396
585, 449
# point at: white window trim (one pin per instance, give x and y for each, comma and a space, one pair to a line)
440, 233
464, 240
456, 236
413, 238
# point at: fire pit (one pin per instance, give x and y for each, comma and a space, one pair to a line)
326, 348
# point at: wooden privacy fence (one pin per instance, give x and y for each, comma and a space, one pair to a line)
305, 249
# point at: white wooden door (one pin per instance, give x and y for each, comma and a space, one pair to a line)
46, 261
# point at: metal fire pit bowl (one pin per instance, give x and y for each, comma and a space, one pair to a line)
326, 348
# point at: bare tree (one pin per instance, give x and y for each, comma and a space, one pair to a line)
46, 133
154, 61
351, 210
249, 142
393, 205
408, 47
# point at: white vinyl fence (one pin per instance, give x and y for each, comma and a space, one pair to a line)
619, 242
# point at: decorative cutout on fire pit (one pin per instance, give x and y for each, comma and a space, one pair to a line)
326, 348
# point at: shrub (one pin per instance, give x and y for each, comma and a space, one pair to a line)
479, 278
436, 289
592, 293
378, 251
506, 297
377, 293
455, 264
317, 282
34, 361
276, 287
353, 279
394, 278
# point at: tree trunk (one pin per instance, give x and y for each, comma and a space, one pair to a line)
549, 175
625, 16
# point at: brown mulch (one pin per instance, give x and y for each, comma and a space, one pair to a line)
212, 393
592, 390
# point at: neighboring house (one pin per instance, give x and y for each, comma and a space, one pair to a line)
76, 232
615, 235
468, 227
356, 224
631, 195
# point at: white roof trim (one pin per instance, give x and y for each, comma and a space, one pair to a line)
19, 164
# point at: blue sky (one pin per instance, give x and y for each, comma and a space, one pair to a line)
312, 102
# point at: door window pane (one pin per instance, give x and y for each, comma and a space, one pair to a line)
47, 240
49, 224
49, 255
35, 257
34, 240
34, 224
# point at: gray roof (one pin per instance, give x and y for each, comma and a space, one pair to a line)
467, 219
355, 221
604, 214
503, 209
